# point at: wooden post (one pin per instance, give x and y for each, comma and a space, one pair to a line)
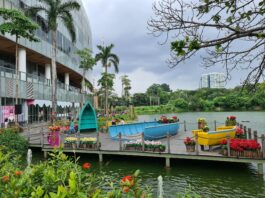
78, 139
228, 145
197, 143
167, 162
41, 137
245, 131
255, 135
45, 154
260, 168
98, 141
263, 145
142, 141
185, 127
100, 156
120, 143
215, 125
28, 133
168, 143
249, 134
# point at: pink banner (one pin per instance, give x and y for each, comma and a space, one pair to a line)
9, 112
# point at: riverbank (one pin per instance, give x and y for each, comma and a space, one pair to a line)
167, 109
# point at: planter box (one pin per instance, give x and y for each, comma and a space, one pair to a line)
243, 154
133, 148
190, 148
70, 145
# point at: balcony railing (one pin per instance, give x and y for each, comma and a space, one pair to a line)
31, 86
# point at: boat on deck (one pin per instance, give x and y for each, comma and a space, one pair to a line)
214, 137
151, 130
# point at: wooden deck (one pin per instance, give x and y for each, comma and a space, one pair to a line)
37, 137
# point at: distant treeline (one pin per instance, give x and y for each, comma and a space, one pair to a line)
160, 99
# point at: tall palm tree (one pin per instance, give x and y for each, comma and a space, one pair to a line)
107, 59
56, 10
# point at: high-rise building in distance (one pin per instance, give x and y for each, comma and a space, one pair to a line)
212, 80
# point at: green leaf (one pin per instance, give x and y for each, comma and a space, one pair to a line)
229, 19
136, 173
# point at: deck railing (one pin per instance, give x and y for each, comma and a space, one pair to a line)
174, 144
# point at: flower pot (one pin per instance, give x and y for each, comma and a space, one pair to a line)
67, 145
190, 148
73, 145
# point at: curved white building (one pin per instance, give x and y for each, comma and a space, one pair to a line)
35, 67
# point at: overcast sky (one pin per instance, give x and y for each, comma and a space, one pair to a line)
124, 23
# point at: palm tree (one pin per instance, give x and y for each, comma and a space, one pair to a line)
107, 59
56, 10
87, 62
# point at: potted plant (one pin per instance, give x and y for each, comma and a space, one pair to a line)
70, 142
88, 142
230, 121
155, 146
54, 135
190, 144
205, 128
239, 133
166, 120
201, 123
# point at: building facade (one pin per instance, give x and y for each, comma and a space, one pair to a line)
212, 80
34, 68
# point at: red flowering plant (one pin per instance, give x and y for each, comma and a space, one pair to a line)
189, 141
54, 128
241, 144
165, 119
86, 166
239, 133
127, 183
230, 121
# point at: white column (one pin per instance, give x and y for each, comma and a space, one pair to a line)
25, 111
66, 80
48, 72
22, 63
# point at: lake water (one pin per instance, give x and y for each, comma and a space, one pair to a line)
253, 120
209, 179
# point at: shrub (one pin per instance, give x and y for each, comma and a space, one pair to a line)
13, 141
62, 177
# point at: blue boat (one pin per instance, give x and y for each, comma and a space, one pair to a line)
152, 130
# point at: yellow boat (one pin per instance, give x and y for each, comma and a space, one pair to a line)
214, 137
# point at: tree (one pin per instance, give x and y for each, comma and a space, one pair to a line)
17, 24
231, 33
126, 86
106, 82
165, 87
140, 99
87, 62
107, 59
56, 10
